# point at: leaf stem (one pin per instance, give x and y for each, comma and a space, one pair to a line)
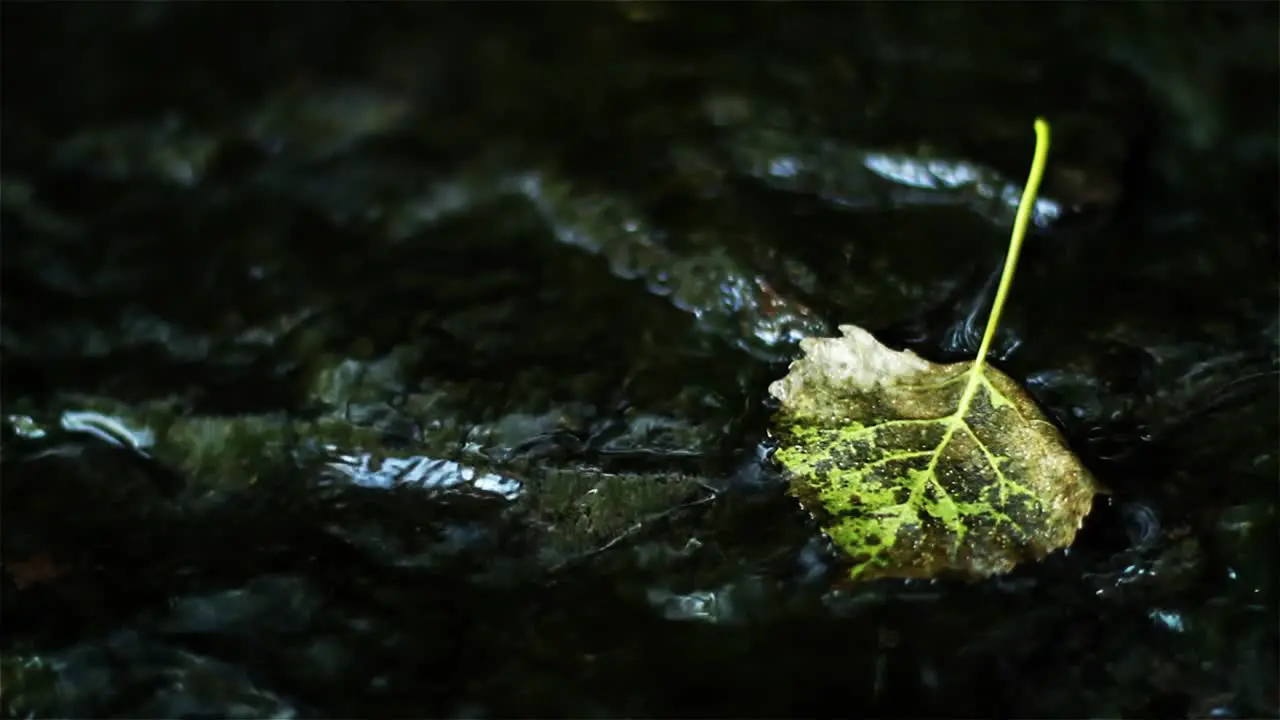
1015, 240
1011, 259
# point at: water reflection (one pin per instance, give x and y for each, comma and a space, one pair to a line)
372, 471
107, 428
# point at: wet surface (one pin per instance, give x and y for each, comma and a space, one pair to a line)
384, 361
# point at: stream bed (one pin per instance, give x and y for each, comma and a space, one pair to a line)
411, 360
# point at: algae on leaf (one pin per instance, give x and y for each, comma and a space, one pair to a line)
916, 469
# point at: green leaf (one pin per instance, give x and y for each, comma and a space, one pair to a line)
916, 469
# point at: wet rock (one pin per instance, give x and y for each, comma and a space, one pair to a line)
399, 363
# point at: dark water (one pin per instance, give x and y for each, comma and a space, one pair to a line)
411, 360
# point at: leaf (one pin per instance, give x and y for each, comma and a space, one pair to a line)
916, 469
911, 482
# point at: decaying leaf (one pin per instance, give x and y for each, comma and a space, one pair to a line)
917, 470
907, 484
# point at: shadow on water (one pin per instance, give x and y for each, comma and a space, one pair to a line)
385, 361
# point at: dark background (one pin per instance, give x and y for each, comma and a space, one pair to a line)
411, 359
